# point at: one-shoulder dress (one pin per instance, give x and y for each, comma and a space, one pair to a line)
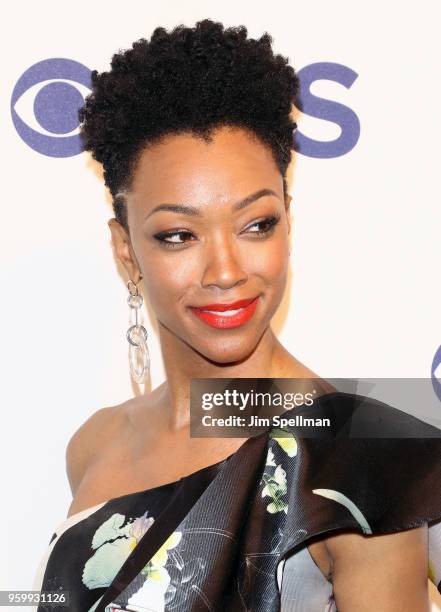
234, 536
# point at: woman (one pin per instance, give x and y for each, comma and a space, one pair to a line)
194, 130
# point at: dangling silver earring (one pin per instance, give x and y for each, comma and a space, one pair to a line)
139, 358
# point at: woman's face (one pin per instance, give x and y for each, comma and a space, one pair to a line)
209, 225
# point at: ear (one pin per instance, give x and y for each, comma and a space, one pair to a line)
288, 199
124, 250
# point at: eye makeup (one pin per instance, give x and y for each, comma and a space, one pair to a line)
166, 239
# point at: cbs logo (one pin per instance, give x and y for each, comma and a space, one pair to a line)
47, 96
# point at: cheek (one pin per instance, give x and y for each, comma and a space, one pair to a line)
271, 261
167, 277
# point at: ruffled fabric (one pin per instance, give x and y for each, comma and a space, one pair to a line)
376, 470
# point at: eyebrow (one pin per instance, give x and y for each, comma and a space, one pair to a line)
195, 212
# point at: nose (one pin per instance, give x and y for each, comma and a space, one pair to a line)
223, 266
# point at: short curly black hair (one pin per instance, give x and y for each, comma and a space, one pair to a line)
187, 80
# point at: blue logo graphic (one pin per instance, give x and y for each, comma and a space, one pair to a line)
435, 381
55, 106
321, 108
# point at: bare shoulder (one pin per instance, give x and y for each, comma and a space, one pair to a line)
88, 441
108, 436
395, 562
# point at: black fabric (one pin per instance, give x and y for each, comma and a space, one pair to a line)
221, 549
187, 492
66, 563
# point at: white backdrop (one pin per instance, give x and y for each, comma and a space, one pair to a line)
364, 290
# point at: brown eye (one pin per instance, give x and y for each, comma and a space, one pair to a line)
167, 239
266, 225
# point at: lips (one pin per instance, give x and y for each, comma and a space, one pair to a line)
227, 316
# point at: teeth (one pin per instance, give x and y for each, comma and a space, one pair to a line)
225, 313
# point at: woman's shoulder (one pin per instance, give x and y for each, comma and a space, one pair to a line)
104, 429
87, 441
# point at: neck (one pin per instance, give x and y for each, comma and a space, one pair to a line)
269, 359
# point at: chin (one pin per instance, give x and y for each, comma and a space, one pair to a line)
229, 350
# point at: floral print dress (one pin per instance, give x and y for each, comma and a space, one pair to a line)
233, 536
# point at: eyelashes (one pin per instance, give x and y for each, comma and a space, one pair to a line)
269, 224
164, 238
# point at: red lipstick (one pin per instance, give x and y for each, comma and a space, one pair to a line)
236, 313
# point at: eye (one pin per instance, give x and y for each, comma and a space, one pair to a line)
171, 240
167, 239
267, 225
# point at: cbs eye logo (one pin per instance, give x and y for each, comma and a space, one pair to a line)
45, 103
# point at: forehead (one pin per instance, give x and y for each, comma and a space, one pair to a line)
235, 162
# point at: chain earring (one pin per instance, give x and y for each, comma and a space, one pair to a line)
139, 358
